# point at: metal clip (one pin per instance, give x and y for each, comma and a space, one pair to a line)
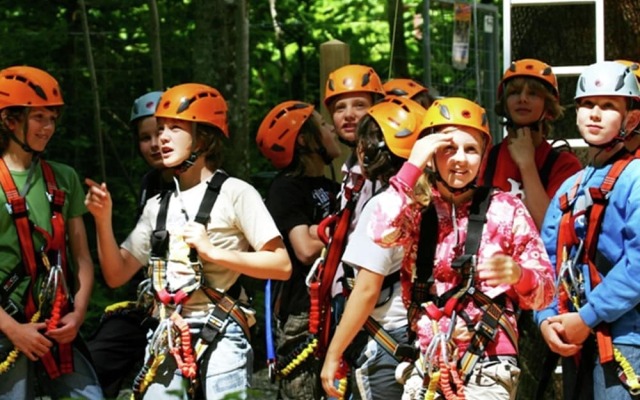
312, 272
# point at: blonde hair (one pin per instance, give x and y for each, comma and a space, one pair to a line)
422, 190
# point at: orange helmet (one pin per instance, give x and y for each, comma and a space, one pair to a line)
399, 119
457, 111
278, 131
633, 66
194, 102
352, 78
532, 68
403, 88
24, 86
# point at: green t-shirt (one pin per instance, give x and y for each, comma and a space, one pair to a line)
39, 213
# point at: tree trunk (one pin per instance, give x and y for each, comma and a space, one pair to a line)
221, 59
156, 49
97, 122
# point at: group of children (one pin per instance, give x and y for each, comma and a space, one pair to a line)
407, 280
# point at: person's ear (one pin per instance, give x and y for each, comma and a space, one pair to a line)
301, 142
8, 121
633, 120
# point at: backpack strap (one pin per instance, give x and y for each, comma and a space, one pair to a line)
425, 257
545, 170
490, 166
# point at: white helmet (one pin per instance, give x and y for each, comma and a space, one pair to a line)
607, 78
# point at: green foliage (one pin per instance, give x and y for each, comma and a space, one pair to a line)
49, 35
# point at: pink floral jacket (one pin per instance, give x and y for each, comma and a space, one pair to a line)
509, 230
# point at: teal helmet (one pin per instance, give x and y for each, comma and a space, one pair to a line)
144, 106
607, 78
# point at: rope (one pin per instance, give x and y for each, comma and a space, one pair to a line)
393, 38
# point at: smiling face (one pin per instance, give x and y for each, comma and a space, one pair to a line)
599, 118
347, 110
458, 163
41, 124
149, 141
175, 141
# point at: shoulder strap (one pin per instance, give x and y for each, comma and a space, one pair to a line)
210, 197
490, 166
425, 254
160, 238
17, 208
548, 164
477, 219
600, 198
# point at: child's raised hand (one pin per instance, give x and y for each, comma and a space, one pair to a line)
425, 148
98, 200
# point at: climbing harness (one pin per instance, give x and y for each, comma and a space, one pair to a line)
172, 335
53, 298
570, 282
451, 304
439, 366
320, 280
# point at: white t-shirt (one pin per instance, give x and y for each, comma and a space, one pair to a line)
238, 221
362, 252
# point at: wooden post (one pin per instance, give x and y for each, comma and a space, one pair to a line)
333, 55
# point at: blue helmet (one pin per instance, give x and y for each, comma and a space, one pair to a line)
145, 106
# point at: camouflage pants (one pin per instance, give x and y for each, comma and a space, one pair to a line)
304, 382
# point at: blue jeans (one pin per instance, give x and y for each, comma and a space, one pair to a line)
606, 384
227, 363
375, 371
28, 379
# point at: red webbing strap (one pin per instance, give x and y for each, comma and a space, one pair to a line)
58, 243
600, 199
19, 213
566, 239
329, 266
56, 199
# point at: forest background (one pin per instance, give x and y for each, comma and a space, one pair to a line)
105, 53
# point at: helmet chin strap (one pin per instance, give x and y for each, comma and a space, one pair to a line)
534, 126
25, 128
186, 164
22, 144
454, 191
619, 138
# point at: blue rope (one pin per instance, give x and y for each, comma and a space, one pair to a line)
271, 353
